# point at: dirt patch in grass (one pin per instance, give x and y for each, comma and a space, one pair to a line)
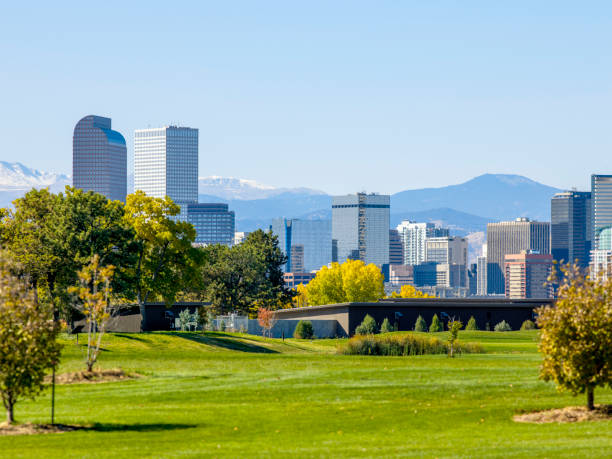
95, 376
34, 429
567, 414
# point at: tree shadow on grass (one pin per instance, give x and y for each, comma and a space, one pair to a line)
132, 337
227, 342
157, 427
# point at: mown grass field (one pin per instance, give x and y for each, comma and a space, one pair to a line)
224, 395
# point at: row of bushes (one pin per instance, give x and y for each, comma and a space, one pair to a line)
403, 345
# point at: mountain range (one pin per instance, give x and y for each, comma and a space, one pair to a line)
465, 208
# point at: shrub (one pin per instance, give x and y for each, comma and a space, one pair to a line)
386, 327
402, 345
528, 325
303, 330
503, 326
420, 325
222, 326
436, 325
471, 325
367, 327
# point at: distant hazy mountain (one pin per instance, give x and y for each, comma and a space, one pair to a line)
16, 179
498, 196
234, 188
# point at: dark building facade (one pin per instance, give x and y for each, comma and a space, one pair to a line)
214, 223
570, 227
403, 312
505, 238
99, 158
601, 207
396, 248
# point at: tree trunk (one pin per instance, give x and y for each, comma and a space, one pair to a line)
10, 414
143, 315
590, 398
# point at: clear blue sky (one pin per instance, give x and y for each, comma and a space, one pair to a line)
340, 96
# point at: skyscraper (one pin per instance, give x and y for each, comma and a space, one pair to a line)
451, 255
396, 249
360, 227
214, 223
601, 206
306, 243
527, 275
570, 218
481, 276
513, 237
413, 236
99, 158
166, 164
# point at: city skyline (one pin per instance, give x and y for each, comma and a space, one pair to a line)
406, 83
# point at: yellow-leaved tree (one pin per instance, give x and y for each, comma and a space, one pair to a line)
409, 291
350, 281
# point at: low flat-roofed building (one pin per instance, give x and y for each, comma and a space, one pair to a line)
292, 280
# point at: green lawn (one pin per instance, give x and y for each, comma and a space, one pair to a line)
225, 395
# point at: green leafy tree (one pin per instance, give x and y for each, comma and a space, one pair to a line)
453, 326
576, 334
409, 291
386, 327
367, 327
471, 325
420, 325
436, 325
528, 325
28, 345
351, 281
166, 263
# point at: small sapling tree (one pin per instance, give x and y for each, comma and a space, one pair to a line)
367, 327
528, 325
576, 334
503, 326
386, 327
420, 325
453, 327
266, 319
436, 325
28, 345
303, 330
94, 303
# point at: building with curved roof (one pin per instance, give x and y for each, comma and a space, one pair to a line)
99, 158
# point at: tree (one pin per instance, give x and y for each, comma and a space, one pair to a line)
266, 319
351, 281
453, 326
166, 263
409, 291
528, 325
300, 299
420, 325
471, 325
367, 327
28, 346
502, 326
94, 303
436, 325
303, 330
386, 327
576, 334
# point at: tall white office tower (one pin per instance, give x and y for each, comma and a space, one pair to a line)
166, 164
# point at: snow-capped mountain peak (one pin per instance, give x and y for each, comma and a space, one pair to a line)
16, 176
236, 188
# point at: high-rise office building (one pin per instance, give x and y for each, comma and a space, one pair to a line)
99, 158
360, 228
472, 279
305, 243
166, 164
481, 281
601, 206
214, 223
527, 275
451, 255
601, 264
413, 236
570, 222
396, 249
513, 237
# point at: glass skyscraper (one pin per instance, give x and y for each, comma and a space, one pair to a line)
99, 158
360, 228
306, 243
166, 164
214, 223
570, 227
601, 206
